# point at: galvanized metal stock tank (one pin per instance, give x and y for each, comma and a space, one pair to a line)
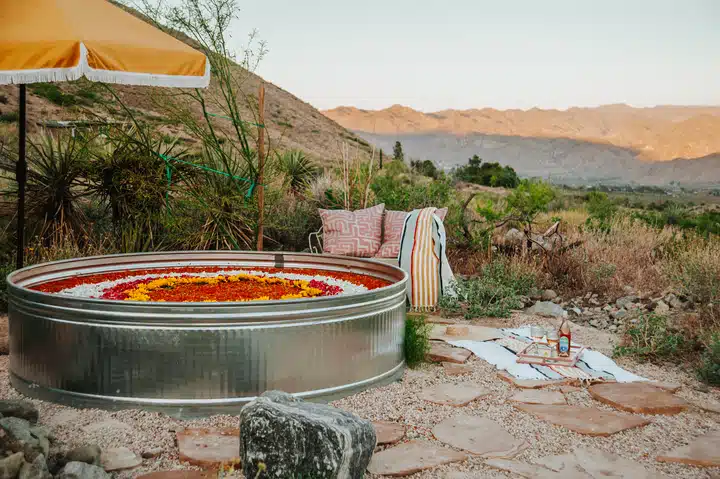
189, 359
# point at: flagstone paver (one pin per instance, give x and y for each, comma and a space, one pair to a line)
538, 396
116, 458
478, 435
453, 394
411, 457
454, 369
708, 405
440, 351
388, 432
670, 387
209, 446
639, 398
585, 463
530, 383
584, 420
703, 451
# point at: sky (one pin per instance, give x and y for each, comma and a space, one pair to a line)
437, 54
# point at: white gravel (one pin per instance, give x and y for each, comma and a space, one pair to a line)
399, 402
95, 290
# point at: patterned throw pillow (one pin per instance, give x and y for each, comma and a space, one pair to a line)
352, 233
394, 223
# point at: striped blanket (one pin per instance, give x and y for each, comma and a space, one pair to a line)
422, 255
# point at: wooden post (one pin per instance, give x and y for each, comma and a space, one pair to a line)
380, 160
261, 167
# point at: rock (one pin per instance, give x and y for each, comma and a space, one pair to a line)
156, 451
22, 409
440, 351
10, 466
453, 394
412, 457
514, 236
626, 301
672, 300
116, 458
180, 474
586, 463
530, 383
20, 436
619, 314
607, 308
89, 454
703, 451
297, 438
641, 398
548, 309
660, 307
209, 447
536, 396
81, 470
613, 328
525, 301
388, 432
35, 470
575, 312
535, 294
584, 420
479, 436
709, 406
453, 369
548, 295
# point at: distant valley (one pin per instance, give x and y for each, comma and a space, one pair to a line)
614, 144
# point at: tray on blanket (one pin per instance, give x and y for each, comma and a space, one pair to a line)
532, 355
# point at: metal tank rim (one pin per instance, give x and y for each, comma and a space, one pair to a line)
378, 312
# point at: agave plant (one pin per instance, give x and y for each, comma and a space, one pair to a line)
299, 170
56, 181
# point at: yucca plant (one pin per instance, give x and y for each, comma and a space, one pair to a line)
56, 181
298, 169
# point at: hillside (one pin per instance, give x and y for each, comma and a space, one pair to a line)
292, 123
613, 143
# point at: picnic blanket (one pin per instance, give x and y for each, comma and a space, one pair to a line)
423, 257
502, 353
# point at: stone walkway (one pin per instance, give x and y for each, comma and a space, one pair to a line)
453, 419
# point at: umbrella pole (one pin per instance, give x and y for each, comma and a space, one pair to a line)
21, 177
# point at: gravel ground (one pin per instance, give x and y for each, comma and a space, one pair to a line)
141, 431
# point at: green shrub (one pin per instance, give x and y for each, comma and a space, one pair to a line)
495, 292
5, 269
417, 340
652, 339
487, 174
51, 92
401, 196
709, 369
9, 117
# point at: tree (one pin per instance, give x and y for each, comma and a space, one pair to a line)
398, 152
425, 168
487, 174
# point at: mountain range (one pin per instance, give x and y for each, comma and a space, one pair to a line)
611, 143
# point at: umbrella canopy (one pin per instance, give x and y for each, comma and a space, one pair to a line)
63, 40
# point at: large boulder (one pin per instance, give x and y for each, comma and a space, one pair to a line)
17, 435
81, 470
548, 309
10, 466
287, 437
35, 470
89, 454
22, 409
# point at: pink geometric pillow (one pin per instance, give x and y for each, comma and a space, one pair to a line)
394, 223
353, 233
